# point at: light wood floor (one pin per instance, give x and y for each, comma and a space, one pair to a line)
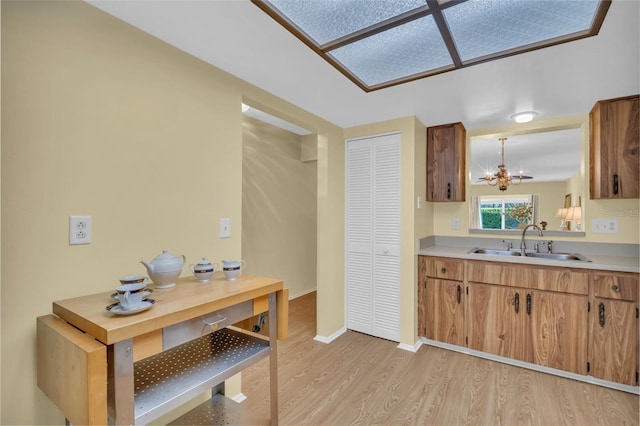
359, 379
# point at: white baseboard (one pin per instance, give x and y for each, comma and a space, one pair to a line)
410, 348
238, 398
331, 338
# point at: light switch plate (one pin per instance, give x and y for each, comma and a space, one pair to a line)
225, 227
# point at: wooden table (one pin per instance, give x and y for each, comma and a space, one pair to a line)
103, 357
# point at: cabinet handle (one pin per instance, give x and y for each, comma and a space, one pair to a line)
528, 303
615, 288
459, 290
449, 190
443, 270
615, 184
516, 302
601, 314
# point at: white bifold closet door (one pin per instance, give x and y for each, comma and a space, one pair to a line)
373, 236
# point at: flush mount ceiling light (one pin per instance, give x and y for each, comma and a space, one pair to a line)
524, 117
502, 177
377, 44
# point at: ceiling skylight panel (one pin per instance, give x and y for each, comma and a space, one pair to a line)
485, 27
375, 43
403, 51
327, 20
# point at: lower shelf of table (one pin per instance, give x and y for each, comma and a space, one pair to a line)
220, 410
167, 380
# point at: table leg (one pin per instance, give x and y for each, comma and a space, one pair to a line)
120, 383
273, 357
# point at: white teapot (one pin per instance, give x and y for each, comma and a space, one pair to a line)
165, 269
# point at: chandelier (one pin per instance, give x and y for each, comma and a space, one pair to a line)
502, 178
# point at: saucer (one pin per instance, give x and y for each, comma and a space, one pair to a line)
115, 308
145, 293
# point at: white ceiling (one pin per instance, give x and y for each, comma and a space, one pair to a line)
562, 80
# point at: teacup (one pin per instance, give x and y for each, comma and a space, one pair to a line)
131, 295
233, 268
133, 279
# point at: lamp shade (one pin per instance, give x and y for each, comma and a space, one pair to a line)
574, 213
562, 213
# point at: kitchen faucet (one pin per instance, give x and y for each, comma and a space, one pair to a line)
523, 245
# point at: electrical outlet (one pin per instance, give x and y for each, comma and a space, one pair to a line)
604, 226
455, 223
79, 230
225, 227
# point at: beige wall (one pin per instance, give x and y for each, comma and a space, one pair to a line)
101, 119
278, 207
0, 233
330, 275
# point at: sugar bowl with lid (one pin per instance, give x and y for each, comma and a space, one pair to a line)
203, 270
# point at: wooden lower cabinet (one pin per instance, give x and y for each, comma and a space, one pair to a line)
497, 321
544, 328
614, 341
576, 320
444, 311
613, 327
442, 303
558, 326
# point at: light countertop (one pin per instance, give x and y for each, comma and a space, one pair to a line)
620, 263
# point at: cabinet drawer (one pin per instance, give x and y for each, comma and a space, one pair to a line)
184, 331
502, 274
564, 280
445, 268
616, 286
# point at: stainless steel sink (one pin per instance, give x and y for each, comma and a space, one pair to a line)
551, 256
559, 256
495, 252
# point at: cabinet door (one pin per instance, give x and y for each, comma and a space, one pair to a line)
444, 311
614, 333
497, 321
446, 162
422, 300
614, 148
559, 330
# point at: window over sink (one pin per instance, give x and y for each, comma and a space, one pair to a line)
504, 211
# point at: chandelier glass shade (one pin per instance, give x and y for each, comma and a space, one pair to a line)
502, 178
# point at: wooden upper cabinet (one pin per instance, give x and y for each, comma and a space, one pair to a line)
614, 148
446, 162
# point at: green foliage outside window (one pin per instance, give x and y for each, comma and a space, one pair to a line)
492, 219
521, 213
